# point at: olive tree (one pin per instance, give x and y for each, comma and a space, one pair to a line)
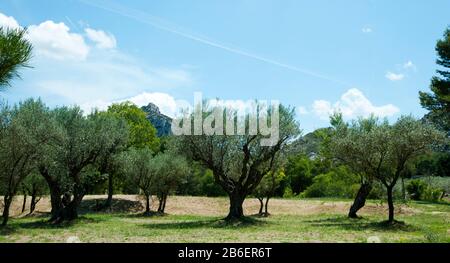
137, 165
25, 128
382, 151
85, 139
350, 145
35, 187
238, 162
171, 169
266, 189
404, 140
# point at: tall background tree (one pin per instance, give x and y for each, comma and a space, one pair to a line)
15, 53
141, 134
438, 100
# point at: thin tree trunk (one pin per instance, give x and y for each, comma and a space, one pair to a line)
147, 204
24, 204
266, 212
261, 205
236, 202
159, 204
33, 203
390, 204
403, 189
108, 202
8, 201
360, 199
164, 204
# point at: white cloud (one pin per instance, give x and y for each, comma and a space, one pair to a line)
54, 40
95, 77
352, 104
165, 102
8, 21
100, 38
409, 65
302, 110
322, 108
367, 30
394, 77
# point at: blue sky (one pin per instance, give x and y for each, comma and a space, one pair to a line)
358, 56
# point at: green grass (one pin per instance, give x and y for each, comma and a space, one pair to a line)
431, 223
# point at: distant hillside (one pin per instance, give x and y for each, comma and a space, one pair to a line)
309, 144
161, 122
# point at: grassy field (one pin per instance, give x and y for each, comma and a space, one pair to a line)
198, 219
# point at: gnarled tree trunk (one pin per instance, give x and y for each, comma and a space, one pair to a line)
236, 201
360, 199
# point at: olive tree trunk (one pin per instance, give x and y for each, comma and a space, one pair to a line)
261, 205
390, 200
24, 204
236, 202
108, 202
266, 208
8, 200
360, 199
147, 204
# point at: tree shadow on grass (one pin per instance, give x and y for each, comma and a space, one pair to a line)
45, 224
362, 224
209, 223
118, 206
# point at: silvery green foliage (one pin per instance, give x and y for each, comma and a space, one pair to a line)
138, 168
86, 139
380, 150
238, 162
25, 130
171, 169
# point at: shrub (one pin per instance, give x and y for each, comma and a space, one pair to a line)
416, 189
337, 183
427, 189
288, 193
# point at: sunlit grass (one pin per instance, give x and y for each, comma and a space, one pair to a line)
430, 223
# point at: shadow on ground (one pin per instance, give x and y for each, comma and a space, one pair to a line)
118, 206
210, 223
362, 224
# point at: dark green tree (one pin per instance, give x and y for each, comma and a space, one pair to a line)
141, 134
15, 53
438, 100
